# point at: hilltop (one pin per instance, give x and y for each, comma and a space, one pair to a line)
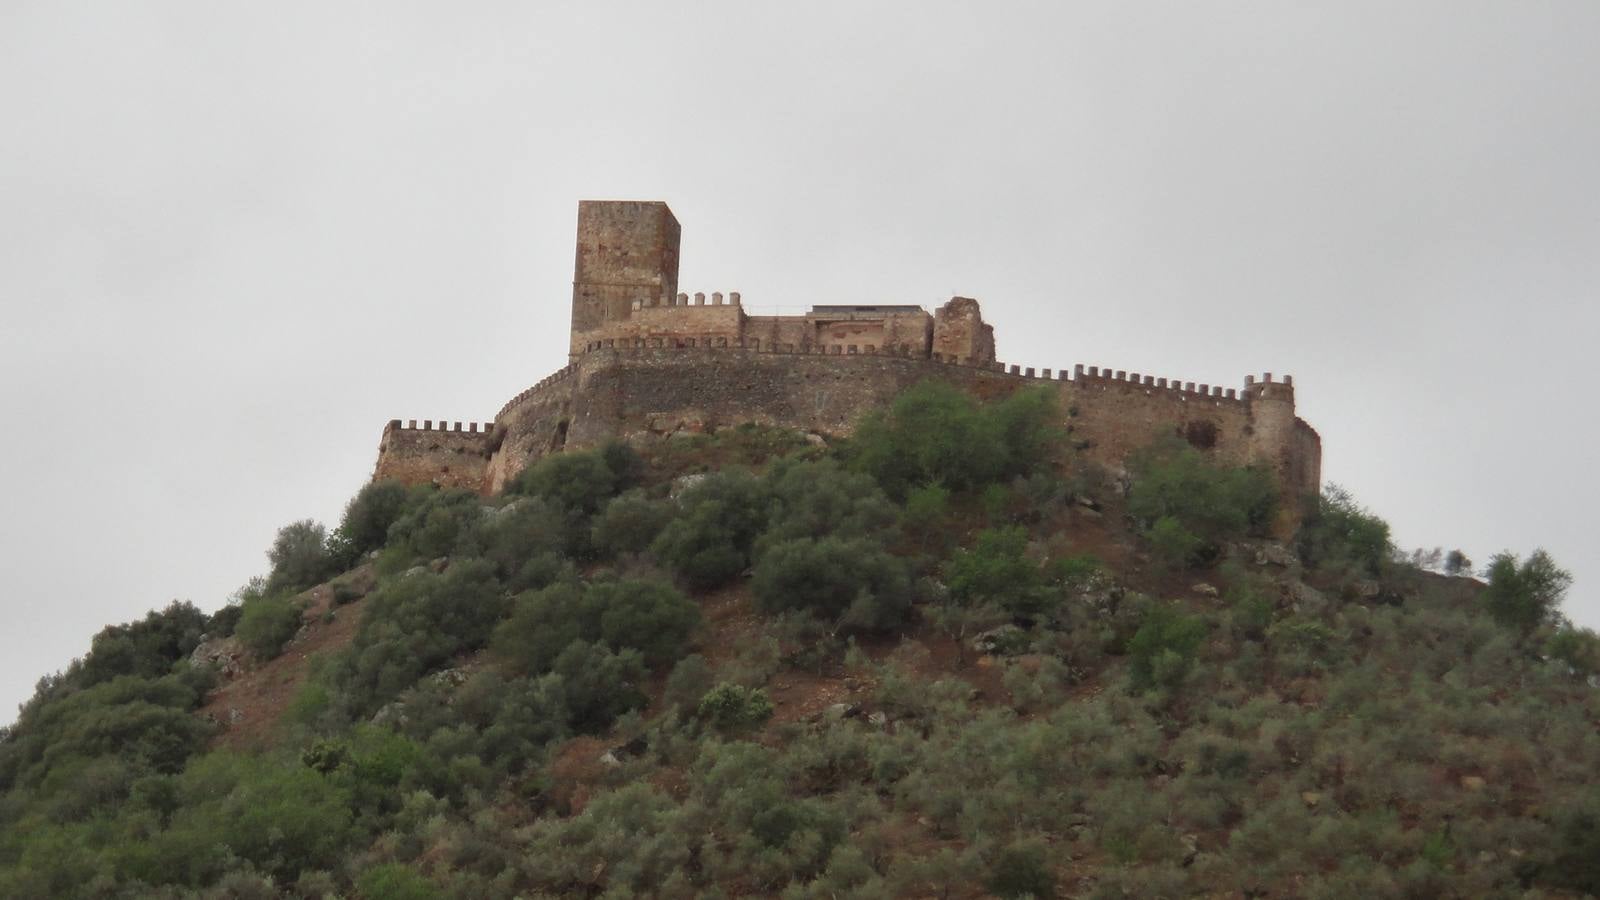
950, 656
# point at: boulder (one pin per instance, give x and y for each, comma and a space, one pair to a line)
1272, 553
1206, 590
222, 654
686, 482
994, 639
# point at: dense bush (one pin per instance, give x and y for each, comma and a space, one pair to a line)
1528, 594
1162, 651
852, 582
146, 648
732, 707
996, 570
937, 434
299, 557
650, 617
365, 525
437, 523
580, 481
266, 624
416, 623
1574, 863
1339, 532
816, 499
1023, 870
710, 541
1189, 505
629, 523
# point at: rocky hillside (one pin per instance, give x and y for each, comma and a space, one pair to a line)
944, 659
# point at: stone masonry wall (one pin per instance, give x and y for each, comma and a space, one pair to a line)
631, 392
433, 453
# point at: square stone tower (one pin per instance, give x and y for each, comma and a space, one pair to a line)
627, 254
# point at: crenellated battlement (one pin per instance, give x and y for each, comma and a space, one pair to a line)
647, 360
557, 377
1089, 376
443, 427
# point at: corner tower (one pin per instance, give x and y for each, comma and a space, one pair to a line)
627, 256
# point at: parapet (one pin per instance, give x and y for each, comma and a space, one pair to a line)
442, 426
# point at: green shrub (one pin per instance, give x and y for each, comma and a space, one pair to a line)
1176, 546
266, 624
1162, 651
853, 582
630, 523
367, 517
934, 433
1579, 648
689, 681
927, 509
541, 625
146, 648
1527, 595
598, 685
997, 570
1022, 870
649, 616
577, 480
816, 499
731, 707
281, 818
395, 881
1340, 532
299, 556
526, 529
709, 542
438, 523
1181, 492
417, 623
1574, 862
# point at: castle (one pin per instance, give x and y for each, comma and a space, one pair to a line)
645, 359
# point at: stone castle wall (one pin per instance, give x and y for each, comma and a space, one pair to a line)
648, 360
635, 392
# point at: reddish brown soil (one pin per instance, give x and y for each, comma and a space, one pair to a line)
261, 695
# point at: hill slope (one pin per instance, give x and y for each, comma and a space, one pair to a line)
946, 660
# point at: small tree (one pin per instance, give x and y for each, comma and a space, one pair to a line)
367, 517
266, 624
996, 570
1190, 505
1528, 595
852, 582
299, 557
1162, 651
731, 707
709, 542
1339, 531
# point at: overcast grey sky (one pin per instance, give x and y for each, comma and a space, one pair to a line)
235, 240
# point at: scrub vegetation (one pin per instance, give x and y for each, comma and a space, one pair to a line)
944, 658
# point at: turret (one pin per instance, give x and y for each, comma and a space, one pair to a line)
627, 257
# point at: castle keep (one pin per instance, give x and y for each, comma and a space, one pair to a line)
646, 359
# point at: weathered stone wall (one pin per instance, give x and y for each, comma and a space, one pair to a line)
646, 359
530, 426
959, 332
627, 254
445, 454
681, 322
631, 392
